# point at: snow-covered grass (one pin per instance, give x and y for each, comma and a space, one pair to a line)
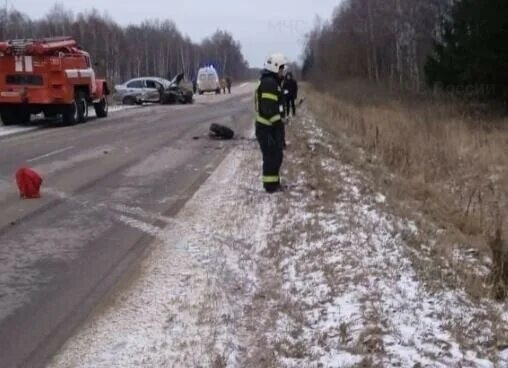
356, 298
323, 275
443, 159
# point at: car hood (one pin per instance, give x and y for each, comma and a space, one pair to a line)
175, 82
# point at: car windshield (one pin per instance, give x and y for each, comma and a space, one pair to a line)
164, 82
177, 79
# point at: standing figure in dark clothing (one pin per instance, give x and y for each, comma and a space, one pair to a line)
195, 85
290, 88
228, 84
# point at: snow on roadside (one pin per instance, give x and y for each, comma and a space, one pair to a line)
319, 276
354, 295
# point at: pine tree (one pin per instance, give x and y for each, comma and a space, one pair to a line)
473, 52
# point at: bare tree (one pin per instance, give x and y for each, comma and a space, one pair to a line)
152, 48
379, 40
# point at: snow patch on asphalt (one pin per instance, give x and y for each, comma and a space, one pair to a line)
19, 278
167, 159
11, 130
46, 169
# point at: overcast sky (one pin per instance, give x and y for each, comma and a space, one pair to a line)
262, 26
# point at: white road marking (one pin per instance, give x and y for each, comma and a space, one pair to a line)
50, 154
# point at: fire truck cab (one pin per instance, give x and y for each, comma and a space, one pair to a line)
53, 76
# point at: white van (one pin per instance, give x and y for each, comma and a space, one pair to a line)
208, 80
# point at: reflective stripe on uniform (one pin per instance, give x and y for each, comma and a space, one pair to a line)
262, 120
270, 179
270, 96
256, 102
270, 121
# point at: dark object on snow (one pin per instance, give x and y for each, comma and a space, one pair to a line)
300, 103
218, 131
29, 183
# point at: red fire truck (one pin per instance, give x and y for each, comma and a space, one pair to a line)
53, 76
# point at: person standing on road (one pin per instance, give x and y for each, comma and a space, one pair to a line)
290, 88
195, 85
228, 84
269, 102
223, 85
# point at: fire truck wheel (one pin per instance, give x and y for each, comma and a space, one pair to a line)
69, 114
9, 117
82, 107
101, 108
15, 116
76, 112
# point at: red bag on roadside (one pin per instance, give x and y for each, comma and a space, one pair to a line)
29, 183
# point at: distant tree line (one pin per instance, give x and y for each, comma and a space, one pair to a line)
378, 40
458, 45
472, 54
155, 48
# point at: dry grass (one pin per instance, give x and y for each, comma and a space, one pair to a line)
446, 159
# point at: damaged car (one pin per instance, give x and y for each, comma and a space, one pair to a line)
176, 92
154, 90
139, 90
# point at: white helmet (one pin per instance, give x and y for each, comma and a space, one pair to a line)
274, 62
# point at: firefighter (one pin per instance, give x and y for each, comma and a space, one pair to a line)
269, 120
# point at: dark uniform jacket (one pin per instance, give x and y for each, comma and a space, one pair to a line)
292, 87
269, 99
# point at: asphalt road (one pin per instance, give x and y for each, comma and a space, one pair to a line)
61, 254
